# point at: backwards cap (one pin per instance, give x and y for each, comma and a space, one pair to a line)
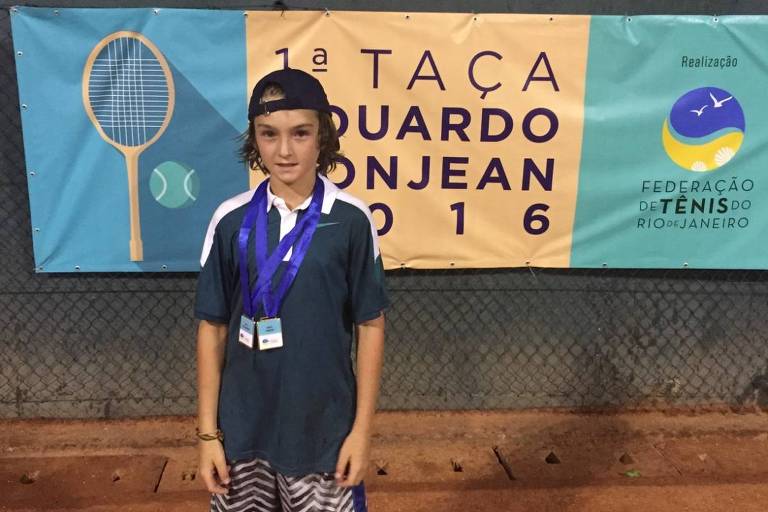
301, 89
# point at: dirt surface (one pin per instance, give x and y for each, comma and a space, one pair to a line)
531, 461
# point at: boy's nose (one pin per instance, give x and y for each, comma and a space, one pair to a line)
286, 149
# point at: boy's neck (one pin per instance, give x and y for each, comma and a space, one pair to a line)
294, 193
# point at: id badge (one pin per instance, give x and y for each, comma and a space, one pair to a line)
246, 331
270, 333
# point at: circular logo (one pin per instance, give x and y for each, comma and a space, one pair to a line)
174, 185
704, 130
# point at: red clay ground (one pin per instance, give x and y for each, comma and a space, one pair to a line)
476, 461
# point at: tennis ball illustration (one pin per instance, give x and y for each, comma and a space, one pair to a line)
174, 184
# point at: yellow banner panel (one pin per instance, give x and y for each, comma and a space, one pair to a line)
463, 132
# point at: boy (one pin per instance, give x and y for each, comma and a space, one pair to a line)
284, 423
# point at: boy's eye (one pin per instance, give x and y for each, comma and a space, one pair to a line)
267, 133
302, 133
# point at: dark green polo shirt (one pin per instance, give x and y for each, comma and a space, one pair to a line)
294, 406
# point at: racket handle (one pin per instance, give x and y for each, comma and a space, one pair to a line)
136, 246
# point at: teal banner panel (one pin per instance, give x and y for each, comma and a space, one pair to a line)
131, 120
674, 150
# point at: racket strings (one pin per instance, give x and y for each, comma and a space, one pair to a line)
128, 92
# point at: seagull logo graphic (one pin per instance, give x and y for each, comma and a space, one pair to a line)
700, 111
719, 103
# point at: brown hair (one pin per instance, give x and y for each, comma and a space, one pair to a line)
327, 139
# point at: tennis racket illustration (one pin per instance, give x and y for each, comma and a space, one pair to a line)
128, 95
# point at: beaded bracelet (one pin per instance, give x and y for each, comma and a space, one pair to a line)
210, 437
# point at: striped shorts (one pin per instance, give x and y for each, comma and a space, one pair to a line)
255, 487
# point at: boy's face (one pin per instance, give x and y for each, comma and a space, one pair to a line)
288, 145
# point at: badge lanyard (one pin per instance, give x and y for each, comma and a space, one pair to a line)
299, 238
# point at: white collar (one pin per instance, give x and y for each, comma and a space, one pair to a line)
329, 196
273, 200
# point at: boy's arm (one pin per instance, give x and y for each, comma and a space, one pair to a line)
211, 342
354, 453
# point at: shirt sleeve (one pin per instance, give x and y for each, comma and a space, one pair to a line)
215, 282
365, 274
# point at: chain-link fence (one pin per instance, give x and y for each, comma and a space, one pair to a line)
96, 345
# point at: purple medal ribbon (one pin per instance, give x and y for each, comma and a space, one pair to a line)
300, 236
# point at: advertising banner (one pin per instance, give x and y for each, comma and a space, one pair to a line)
493, 140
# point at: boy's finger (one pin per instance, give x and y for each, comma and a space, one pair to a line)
362, 469
205, 478
210, 483
352, 474
223, 471
341, 466
353, 471
359, 473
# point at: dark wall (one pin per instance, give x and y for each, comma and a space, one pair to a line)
96, 345
721, 7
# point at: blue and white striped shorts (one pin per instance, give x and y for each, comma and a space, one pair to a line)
256, 487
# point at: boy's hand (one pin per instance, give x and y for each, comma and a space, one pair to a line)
353, 459
212, 467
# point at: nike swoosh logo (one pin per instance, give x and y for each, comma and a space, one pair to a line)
324, 224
